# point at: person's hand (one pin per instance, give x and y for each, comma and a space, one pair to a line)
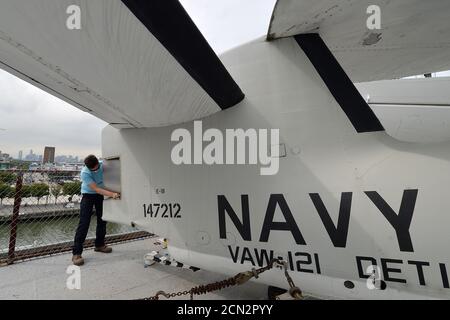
116, 195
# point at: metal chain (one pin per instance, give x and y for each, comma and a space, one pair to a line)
238, 279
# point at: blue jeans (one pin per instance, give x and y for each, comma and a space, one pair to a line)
88, 202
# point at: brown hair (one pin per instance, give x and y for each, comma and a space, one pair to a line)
91, 161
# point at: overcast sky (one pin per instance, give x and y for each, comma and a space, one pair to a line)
32, 119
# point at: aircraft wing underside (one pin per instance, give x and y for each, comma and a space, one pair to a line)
132, 63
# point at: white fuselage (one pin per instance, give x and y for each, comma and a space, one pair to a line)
396, 193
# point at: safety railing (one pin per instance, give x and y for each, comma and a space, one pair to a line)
39, 214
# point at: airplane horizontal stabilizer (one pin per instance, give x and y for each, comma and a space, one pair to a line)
413, 36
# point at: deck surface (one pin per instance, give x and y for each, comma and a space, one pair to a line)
120, 275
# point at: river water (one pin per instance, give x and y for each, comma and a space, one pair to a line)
44, 232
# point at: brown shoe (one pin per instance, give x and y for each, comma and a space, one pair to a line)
77, 260
103, 249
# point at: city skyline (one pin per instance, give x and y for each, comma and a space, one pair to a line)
39, 156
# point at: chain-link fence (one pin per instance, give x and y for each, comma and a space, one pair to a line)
39, 214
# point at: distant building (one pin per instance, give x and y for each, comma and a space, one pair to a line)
4, 157
5, 165
20, 155
34, 166
63, 159
4, 161
31, 156
49, 155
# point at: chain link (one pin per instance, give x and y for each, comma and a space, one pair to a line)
238, 279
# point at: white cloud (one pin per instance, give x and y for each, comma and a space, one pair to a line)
230, 22
33, 119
